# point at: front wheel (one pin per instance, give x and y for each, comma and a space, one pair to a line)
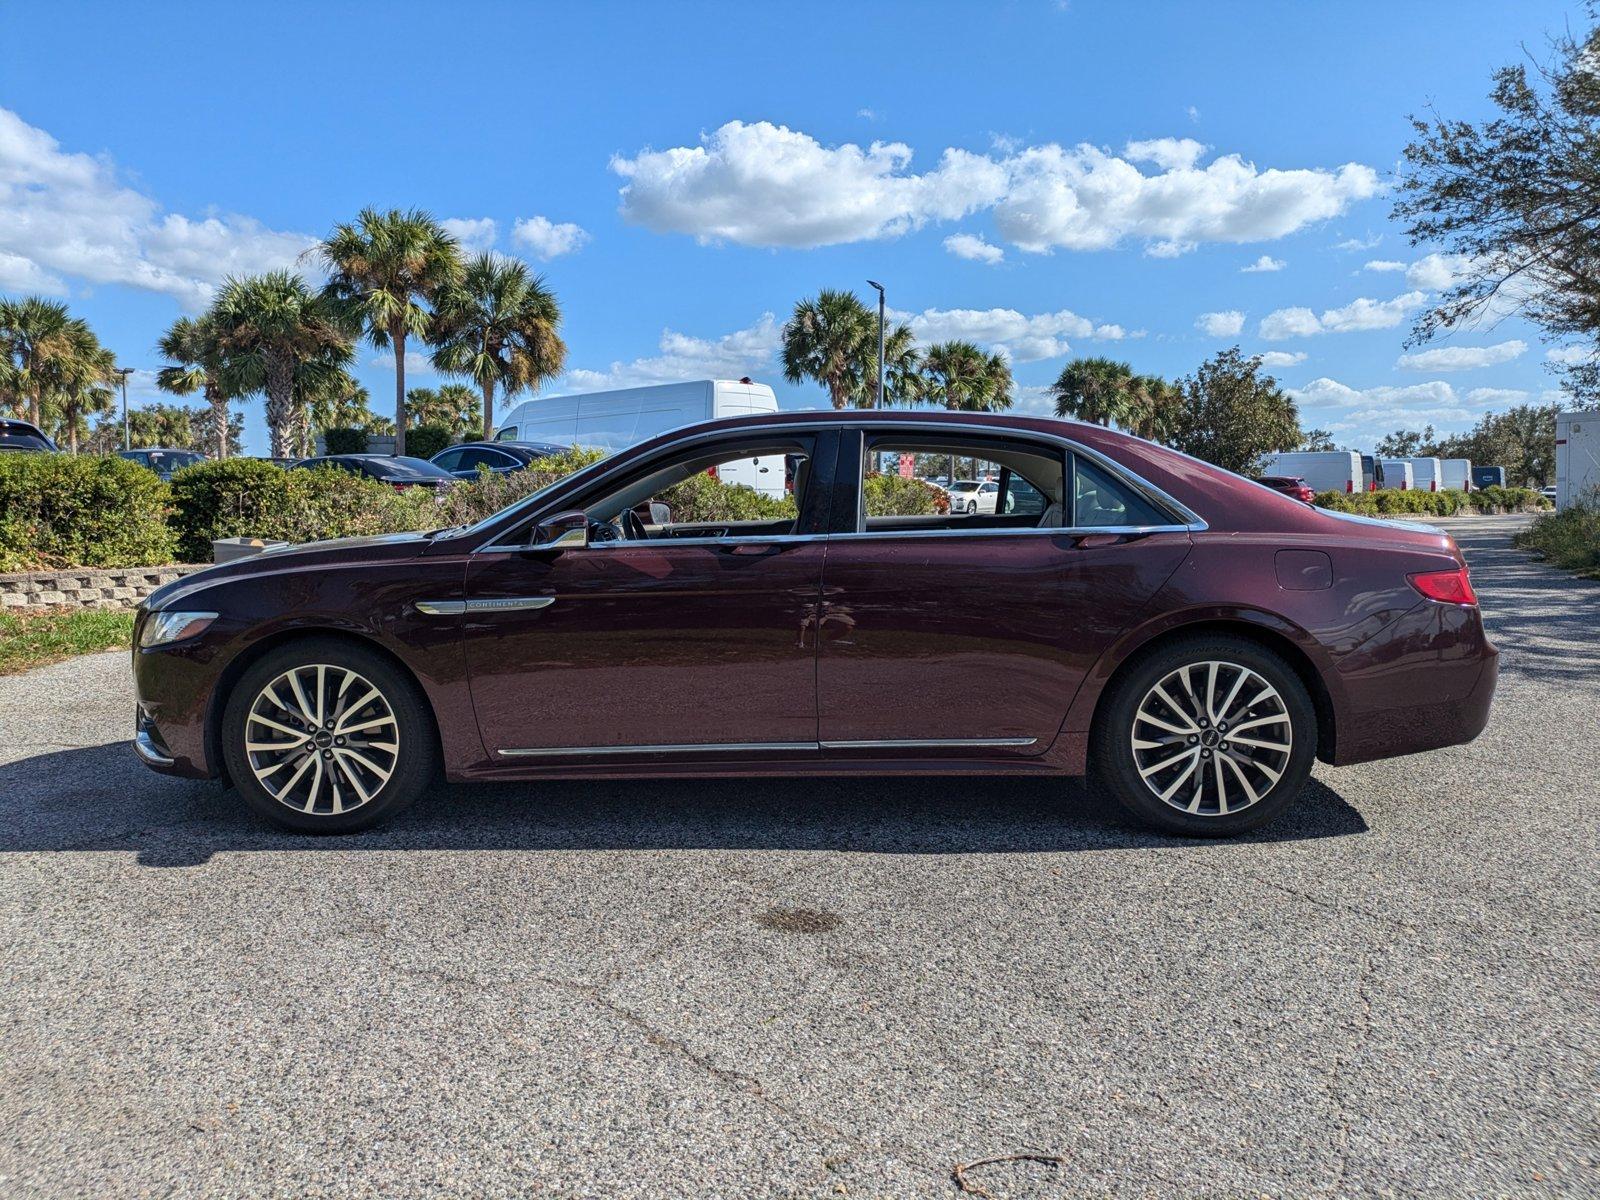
323, 736
1207, 737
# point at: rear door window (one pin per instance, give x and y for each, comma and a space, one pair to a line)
1100, 500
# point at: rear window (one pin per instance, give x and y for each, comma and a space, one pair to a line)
394, 468
18, 439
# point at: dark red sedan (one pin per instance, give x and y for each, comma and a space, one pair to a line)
1290, 485
1191, 639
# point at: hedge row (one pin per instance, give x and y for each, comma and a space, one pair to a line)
1569, 539
1435, 504
60, 511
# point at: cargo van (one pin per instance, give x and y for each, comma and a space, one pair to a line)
1483, 477
1457, 474
1323, 470
1371, 473
614, 420
1396, 474
1577, 458
1425, 474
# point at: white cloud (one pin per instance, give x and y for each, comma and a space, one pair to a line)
1361, 416
65, 214
1263, 264
1463, 358
1383, 264
417, 365
971, 246
1220, 324
476, 234
1565, 355
1435, 272
1359, 243
1358, 315
1282, 358
761, 184
1024, 338
1169, 248
547, 240
1194, 114
746, 351
867, 114
1488, 397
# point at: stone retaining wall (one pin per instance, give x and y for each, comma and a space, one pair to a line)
88, 587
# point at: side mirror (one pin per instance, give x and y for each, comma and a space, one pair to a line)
564, 531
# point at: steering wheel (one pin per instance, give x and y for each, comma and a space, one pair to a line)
633, 528
600, 531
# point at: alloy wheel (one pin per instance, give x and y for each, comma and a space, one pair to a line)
1211, 738
322, 739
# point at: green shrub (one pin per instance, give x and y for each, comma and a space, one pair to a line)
898, 496
1395, 503
1497, 499
1569, 539
702, 498
245, 497
427, 440
58, 510
467, 503
344, 439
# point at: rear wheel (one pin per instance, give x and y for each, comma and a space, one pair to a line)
322, 736
1207, 737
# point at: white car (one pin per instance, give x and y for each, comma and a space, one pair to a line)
1548, 492
973, 496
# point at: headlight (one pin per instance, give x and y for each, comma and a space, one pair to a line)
167, 626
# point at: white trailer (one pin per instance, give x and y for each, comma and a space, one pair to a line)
1577, 458
1457, 474
614, 420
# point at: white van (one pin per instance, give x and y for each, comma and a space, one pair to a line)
1323, 470
1457, 474
1426, 474
1397, 475
612, 421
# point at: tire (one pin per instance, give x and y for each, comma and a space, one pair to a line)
1142, 746
335, 780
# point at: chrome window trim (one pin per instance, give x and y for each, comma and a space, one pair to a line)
1189, 520
775, 747
790, 538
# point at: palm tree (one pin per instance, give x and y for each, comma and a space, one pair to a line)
276, 333
453, 406
383, 269
34, 332
833, 340
1156, 407
903, 381
1094, 389
79, 383
959, 376
194, 347
499, 326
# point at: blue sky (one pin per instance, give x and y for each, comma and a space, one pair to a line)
1053, 179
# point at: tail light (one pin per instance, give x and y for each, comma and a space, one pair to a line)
1404, 486
711, 471
1433, 485
1447, 587
400, 487
1373, 486
1349, 486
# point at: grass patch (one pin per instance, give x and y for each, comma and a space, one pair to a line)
1569, 540
31, 639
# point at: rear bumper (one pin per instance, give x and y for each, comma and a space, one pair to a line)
1428, 684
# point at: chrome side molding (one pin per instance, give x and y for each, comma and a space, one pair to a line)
769, 747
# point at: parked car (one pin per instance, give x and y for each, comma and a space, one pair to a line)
20, 436
502, 458
162, 460
1324, 470
398, 471
1549, 492
973, 496
1192, 640
1289, 485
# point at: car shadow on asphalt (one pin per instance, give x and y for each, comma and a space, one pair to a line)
101, 798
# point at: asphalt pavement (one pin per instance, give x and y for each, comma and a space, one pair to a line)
814, 988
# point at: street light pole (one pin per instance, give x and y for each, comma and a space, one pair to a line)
124, 372
879, 286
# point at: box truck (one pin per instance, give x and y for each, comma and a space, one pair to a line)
1577, 458
614, 420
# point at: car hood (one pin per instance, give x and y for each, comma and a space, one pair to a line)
334, 552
